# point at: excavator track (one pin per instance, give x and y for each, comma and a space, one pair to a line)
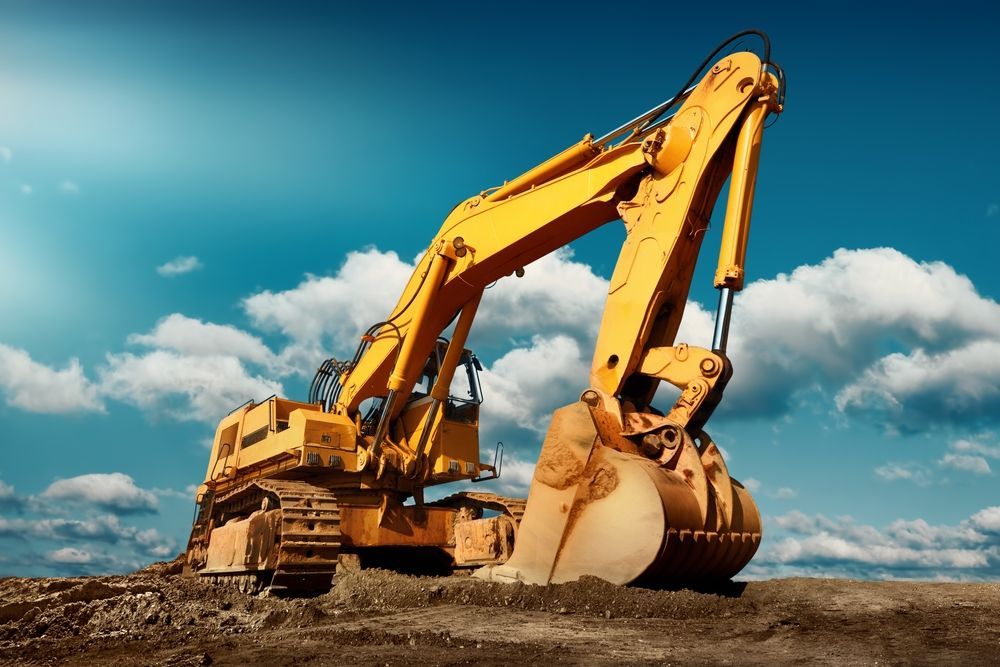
483, 541
294, 541
512, 507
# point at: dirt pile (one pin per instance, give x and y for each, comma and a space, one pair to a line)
156, 616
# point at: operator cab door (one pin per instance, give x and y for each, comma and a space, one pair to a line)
222, 464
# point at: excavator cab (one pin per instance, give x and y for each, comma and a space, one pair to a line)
448, 431
465, 389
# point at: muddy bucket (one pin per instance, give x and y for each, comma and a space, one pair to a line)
594, 509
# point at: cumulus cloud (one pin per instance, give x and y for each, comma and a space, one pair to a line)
187, 388
913, 391
984, 445
70, 555
114, 546
69, 188
964, 462
178, 266
186, 495
26, 189
909, 471
115, 491
515, 478
903, 549
823, 327
828, 325
9, 499
525, 385
6, 153
556, 296
987, 520
971, 455
326, 315
196, 371
35, 387
104, 529
192, 337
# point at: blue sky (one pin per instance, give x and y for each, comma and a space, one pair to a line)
304, 157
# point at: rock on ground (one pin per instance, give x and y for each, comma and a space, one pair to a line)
157, 617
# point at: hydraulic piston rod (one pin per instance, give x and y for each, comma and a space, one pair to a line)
446, 372
721, 337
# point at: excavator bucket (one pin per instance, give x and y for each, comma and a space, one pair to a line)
596, 508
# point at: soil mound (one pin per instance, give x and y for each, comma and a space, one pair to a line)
156, 616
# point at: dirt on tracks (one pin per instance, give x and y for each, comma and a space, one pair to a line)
156, 617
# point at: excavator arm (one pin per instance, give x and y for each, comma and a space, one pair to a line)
662, 181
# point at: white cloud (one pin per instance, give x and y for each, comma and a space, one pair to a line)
964, 455
70, 555
752, 484
822, 326
112, 491
909, 471
966, 463
26, 189
987, 520
192, 337
325, 315
555, 296
175, 493
525, 385
784, 493
992, 210
825, 547
178, 266
515, 478
915, 390
69, 188
817, 545
183, 387
9, 499
825, 324
918, 533
89, 541
35, 387
977, 446
104, 529
6, 153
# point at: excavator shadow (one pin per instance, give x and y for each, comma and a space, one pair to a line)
414, 561
726, 589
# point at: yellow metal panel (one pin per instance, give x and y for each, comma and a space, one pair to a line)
733, 250
306, 425
457, 442
665, 224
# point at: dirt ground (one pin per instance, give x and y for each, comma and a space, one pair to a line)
376, 617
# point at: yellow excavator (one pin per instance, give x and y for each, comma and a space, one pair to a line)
622, 490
